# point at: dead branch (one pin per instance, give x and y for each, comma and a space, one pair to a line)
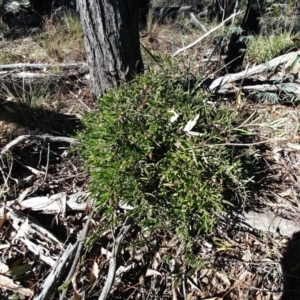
55, 204
207, 34
229, 78
27, 75
39, 251
28, 66
225, 84
113, 261
290, 87
81, 238
41, 138
197, 23
39, 76
53, 279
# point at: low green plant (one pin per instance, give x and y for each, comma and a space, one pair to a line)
263, 48
140, 156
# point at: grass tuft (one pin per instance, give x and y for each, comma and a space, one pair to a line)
264, 48
62, 39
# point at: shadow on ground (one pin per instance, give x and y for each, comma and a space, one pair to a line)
291, 269
38, 120
31, 159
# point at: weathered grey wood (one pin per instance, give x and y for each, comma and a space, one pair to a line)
53, 280
9, 75
222, 83
29, 66
81, 238
197, 23
39, 250
293, 88
113, 261
34, 229
42, 138
289, 87
111, 38
55, 204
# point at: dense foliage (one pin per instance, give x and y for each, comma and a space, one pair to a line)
141, 157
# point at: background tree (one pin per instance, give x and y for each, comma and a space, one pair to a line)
237, 44
111, 38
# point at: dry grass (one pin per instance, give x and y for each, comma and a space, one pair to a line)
60, 40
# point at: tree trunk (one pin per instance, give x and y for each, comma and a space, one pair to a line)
144, 11
111, 38
237, 46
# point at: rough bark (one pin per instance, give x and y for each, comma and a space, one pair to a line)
144, 10
111, 38
237, 46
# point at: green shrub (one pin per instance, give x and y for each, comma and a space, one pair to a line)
136, 155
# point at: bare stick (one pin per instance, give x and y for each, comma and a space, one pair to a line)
195, 21
56, 273
207, 34
243, 145
81, 238
40, 66
113, 261
42, 138
234, 11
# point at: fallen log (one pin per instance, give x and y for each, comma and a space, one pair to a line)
229, 83
28, 66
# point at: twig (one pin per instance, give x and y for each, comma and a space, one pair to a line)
195, 21
172, 269
5, 179
47, 166
234, 11
81, 238
113, 261
183, 285
42, 138
207, 34
40, 66
241, 144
